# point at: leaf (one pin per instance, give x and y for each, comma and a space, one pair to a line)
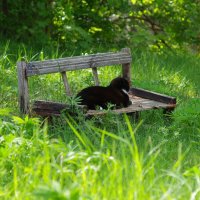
18, 120
4, 112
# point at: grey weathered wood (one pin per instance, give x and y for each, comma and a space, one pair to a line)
77, 62
153, 95
66, 83
95, 76
23, 88
84, 58
135, 107
126, 67
71, 67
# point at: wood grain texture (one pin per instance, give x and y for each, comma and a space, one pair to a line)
78, 62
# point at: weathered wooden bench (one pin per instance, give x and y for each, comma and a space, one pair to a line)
141, 99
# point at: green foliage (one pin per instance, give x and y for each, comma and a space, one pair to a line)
25, 19
113, 23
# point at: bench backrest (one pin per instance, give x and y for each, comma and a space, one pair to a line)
62, 65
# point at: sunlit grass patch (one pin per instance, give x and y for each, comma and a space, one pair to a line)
171, 74
176, 82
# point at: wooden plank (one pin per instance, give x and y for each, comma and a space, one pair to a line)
84, 58
152, 95
132, 108
49, 105
66, 83
95, 76
77, 62
138, 104
52, 107
45, 113
23, 88
34, 70
126, 67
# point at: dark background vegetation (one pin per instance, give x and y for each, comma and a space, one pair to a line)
86, 24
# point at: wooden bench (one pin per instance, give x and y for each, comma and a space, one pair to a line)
141, 99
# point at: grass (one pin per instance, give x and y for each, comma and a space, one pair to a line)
112, 157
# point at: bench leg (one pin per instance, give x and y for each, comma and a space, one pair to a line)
134, 115
23, 88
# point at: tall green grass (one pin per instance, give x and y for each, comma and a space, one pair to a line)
112, 157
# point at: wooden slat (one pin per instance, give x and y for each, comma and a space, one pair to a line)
152, 95
23, 88
66, 83
49, 105
53, 105
84, 58
77, 62
49, 108
135, 107
95, 76
34, 70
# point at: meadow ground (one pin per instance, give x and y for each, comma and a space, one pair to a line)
112, 157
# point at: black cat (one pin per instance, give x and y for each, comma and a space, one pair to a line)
115, 93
